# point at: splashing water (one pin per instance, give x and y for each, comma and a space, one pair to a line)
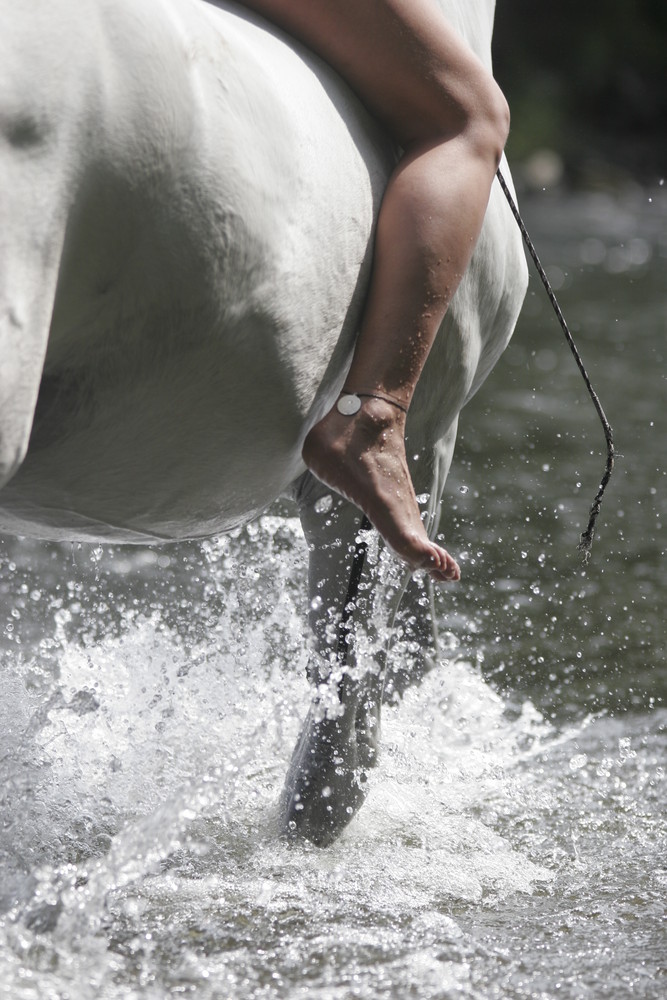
141, 772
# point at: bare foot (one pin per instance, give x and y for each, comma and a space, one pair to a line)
362, 457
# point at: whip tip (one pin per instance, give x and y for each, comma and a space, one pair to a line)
585, 545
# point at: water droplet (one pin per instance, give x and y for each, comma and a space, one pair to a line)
463, 489
323, 505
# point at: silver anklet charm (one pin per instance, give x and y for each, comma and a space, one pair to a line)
349, 403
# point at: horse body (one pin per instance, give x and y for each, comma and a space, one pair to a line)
187, 202
212, 224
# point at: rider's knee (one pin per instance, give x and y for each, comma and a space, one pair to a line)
498, 121
487, 121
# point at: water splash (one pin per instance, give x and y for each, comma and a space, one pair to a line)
141, 770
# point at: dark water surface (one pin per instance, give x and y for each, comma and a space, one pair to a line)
513, 844
531, 454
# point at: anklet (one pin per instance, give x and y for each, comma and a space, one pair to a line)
350, 403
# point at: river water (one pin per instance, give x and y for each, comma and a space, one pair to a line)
513, 842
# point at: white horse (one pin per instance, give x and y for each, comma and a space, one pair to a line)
187, 202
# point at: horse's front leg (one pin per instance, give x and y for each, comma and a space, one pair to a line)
326, 782
338, 743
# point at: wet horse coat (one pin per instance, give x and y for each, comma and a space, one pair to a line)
187, 201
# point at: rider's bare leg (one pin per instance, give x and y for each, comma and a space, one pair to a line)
417, 75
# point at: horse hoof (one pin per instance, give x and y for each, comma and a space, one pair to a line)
327, 779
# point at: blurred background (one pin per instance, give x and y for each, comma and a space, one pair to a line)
586, 82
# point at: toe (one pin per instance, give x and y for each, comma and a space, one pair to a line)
453, 569
447, 569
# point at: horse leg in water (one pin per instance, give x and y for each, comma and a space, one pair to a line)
338, 744
422, 81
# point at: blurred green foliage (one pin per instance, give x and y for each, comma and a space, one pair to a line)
587, 78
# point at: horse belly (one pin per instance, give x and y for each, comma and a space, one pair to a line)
194, 444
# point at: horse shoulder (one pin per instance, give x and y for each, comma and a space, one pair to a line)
41, 95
